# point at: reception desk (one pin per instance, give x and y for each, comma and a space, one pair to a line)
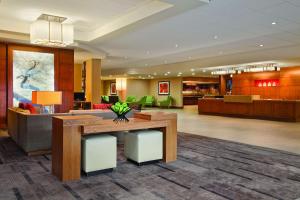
281, 110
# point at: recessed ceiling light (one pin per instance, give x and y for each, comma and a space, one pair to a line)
274, 23
192, 70
261, 45
168, 72
216, 37
193, 74
176, 45
204, 71
179, 75
154, 74
179, 72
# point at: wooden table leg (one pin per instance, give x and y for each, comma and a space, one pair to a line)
66, 151
170, 141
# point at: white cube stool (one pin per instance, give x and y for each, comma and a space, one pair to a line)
144, 146
99, 153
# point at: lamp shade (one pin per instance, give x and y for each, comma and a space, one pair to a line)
47, 98
121, 84
39, 32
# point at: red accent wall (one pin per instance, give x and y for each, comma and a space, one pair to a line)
289, 84
3, 85
63, 69
65, 79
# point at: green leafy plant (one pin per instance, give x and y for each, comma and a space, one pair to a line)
121, 109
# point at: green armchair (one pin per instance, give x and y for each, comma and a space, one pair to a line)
130, 99
149, 101
142, 101
166, 103
104, 99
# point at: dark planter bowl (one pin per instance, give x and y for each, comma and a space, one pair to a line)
121, 117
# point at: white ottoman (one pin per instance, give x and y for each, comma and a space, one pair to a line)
99, 152
144, 146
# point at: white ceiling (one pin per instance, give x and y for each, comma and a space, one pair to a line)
143, 36
85, 15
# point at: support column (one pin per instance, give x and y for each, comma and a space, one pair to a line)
93, 81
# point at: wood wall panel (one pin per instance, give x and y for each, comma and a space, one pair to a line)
244, 84
66, 79
3, 86
63, 75
222, 80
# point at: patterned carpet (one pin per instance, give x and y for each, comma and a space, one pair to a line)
206, 169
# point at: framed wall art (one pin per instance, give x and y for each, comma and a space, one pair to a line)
164, 88
113, 89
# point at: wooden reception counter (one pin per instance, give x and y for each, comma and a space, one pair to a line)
281, 110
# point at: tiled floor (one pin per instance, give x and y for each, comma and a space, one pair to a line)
272, 134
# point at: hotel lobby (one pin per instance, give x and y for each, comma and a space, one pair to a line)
150, 99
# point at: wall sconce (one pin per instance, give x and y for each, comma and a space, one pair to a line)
121, 84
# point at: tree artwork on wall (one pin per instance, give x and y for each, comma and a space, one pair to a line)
164, 87
32, 71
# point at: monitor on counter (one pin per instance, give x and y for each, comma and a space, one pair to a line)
79, 96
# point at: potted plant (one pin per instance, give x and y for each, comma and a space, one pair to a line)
121, 109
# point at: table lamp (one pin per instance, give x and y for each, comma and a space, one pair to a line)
47, 98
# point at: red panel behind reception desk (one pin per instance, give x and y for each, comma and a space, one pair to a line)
288, 86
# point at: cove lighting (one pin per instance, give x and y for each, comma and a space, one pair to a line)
246, 69
223, 72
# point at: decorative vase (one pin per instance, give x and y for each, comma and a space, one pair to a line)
121, 117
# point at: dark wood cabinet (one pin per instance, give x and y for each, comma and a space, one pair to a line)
82, 105
191, 100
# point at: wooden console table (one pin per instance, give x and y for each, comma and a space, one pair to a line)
68, 130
